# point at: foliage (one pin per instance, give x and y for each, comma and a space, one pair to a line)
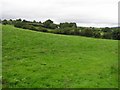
87, 32
18, 24
49, 24
107, 35
4, 22
67, 25
65, 28
116, 34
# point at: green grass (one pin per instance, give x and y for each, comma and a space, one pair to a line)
0, 56
43, 60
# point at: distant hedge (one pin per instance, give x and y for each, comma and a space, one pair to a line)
66, 28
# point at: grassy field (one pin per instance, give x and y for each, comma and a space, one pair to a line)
42, 60
0, 56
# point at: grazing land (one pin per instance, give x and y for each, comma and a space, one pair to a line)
43, 60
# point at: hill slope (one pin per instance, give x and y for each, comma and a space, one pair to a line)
35, 59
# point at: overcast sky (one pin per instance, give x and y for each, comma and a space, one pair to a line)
97, 13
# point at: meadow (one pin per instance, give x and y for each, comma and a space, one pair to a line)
33, 59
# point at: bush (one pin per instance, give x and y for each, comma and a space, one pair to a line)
4, 22
97, 34
76, 31
107, 35
57, 31
18, 24
49, 24
66, 30
87, 32
68, 25
51, 31
27, 26
116, 34
42, 29
106, 29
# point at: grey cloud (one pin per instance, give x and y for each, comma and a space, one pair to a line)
84, 12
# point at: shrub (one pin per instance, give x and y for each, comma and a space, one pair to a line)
42, 29
68, 25
18, 24
116, 34
4, 22
97, 34
87, 32
49, 24
107, 35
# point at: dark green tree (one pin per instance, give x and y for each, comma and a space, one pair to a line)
107, 35
66, 24
87, 32
49, 24
19, 20
116, 34
4, 22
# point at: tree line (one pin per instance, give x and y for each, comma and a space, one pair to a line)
65, 28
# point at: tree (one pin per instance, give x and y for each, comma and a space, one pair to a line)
0, 21
18, 24
76, 31
53, 26
34, 21
73, 25
24, 21
87, 32
18, 20
40, 22
107, 35
49, 24
4, 22
106, 29
96, 34
116, 34
66, 24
